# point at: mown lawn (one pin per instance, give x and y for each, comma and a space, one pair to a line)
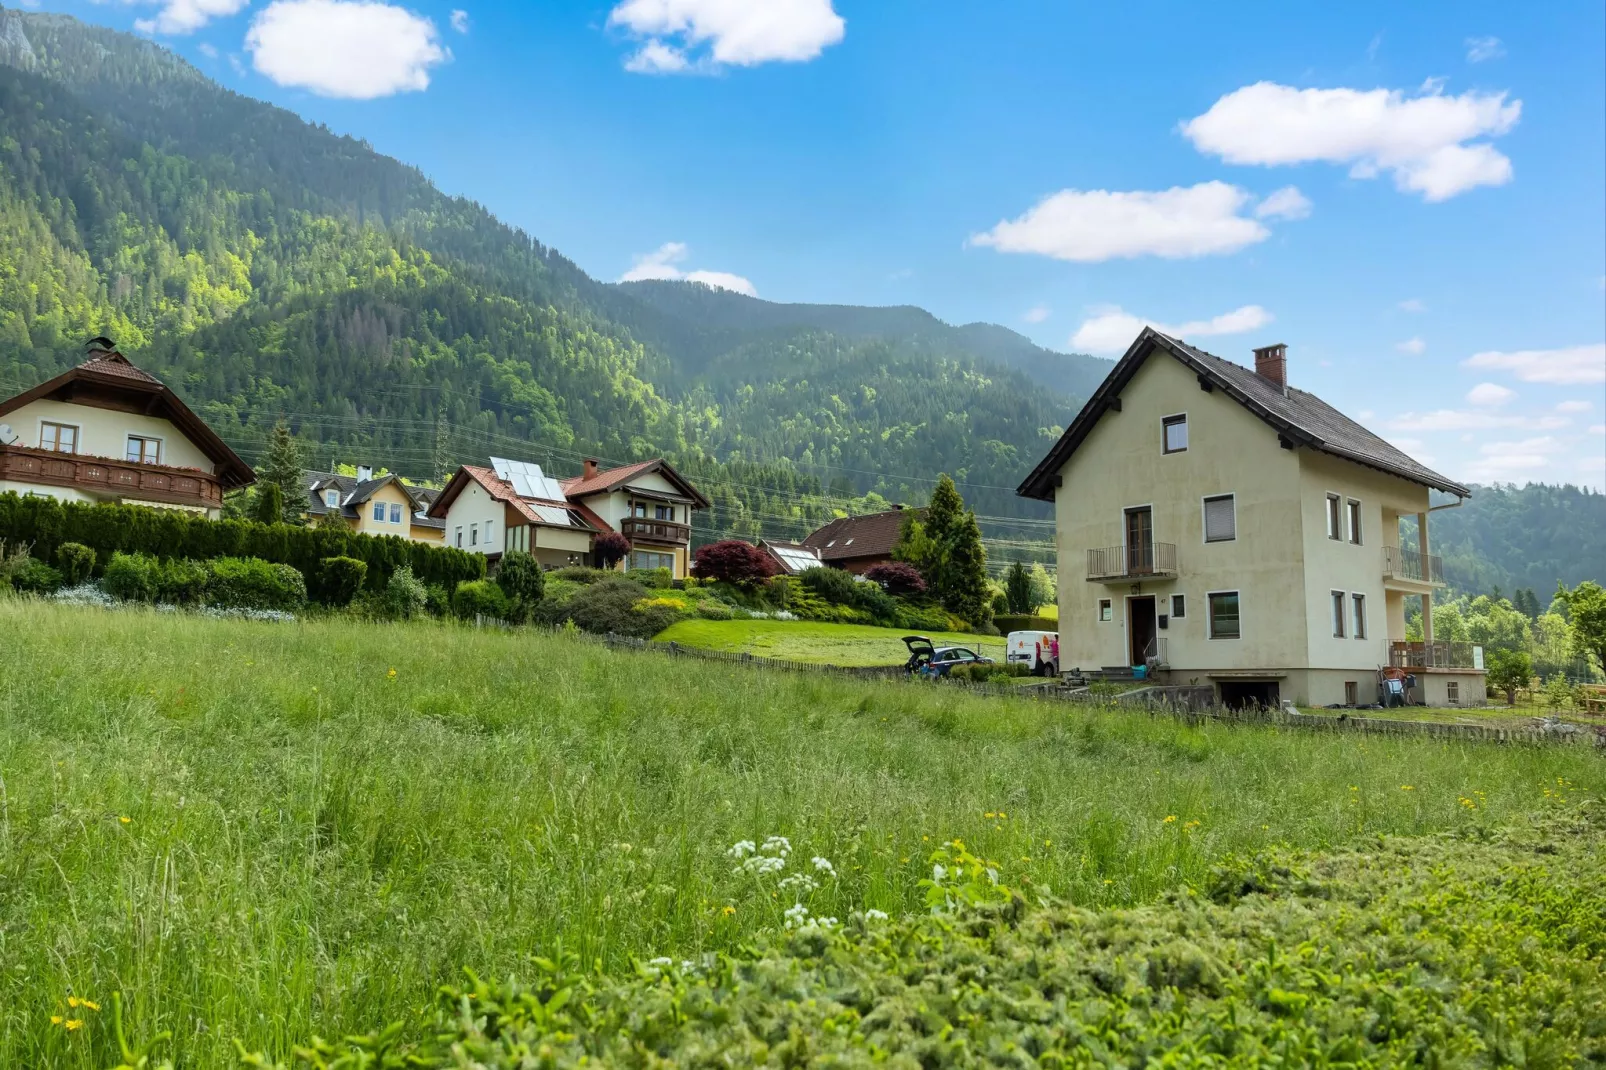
826, 644
262, 832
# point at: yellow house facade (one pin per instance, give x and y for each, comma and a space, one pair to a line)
1222, 529
373, 506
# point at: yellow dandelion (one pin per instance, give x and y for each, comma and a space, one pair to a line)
728, 910
1169, 818
1406, 787
73, 1023
391, 674
989, 815
124, 820
55, 1019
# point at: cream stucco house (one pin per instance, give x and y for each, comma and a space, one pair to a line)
105, 431
374, 506
514, 506
1227, 529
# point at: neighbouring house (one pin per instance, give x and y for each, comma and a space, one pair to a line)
105, 431
374, 506
1234, 531
858, 543
514, 505
790, 557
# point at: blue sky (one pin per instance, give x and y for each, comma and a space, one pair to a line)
1410, 196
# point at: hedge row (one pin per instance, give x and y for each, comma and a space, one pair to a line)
45, 523
1426, 952
1007, 623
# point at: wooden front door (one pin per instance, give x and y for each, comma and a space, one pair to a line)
1139, 541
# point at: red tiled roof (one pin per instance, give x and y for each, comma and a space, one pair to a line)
871, 535
578, 486
117, 365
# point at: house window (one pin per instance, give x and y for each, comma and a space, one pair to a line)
1352, 693
1338, 614
379, 512
1106, 611
488, 533
395, 514
1335, 518
1354, 521
648, 559
1358, 605
1175, 431
639, 509
144, 450
62, 438
331, 498
1452, 691
663, 512
1179, 607
1220, 518
1224, 622
459, 536
473, 534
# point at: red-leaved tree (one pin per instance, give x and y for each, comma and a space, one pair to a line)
610, 548
897, 578
735, 561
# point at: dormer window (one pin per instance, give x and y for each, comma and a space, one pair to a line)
331, 498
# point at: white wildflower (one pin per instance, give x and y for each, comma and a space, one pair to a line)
742, 849
759, 865
824, 866
777, 845
875, 915
939, 872
660, 961
797, 916
802, 882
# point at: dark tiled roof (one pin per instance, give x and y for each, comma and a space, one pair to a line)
1300, 417
870, 535
354, 493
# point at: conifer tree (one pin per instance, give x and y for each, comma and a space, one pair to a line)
283, 469
1018, 589
967, 595
268, 506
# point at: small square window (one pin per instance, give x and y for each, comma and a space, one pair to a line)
1106, 610
395, 513
331, 498
1179, 607
379, 511
1175, 429
1224, 621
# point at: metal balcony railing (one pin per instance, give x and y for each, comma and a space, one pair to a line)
1400, 563
1132, 562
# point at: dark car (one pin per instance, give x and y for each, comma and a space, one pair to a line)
930, 660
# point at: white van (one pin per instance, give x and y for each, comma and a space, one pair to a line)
1038, 651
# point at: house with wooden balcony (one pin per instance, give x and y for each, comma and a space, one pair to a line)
514, 505
1218, 526
106, 431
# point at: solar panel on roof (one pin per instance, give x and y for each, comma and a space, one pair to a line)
527, 479
551, 514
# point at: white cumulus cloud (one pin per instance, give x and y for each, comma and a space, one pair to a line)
1489, 395
663, 263
187, 16
1574, 405
356, 49
1094, 225
1568, 366
1414, 346
1482, 48
1286, 203
1471, 420
701, 35
459, 20
1421, 140
1111, 330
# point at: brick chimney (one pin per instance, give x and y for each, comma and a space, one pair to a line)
589, 469
1271, 364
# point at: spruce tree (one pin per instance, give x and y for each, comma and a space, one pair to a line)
967, 595
1018, 589
282, 468
268, 507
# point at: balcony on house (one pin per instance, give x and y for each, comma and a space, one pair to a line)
1132, 562
1435, 655
111, 479
638, 527
1401, 563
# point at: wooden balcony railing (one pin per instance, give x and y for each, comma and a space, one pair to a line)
107, 478
1155, 560
1400, 563
637, 527
1435, 655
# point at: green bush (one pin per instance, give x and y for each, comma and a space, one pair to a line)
33, 576
712, 609
1428, 951
479, 598
610, 607
581, 574
251, 583
46, 524
923, 618
406, 596
651, 577
522, 582
76, 561
131, 577
1024, 623
181, 582
340, 579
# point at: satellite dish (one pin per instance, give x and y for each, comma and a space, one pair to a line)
8, 437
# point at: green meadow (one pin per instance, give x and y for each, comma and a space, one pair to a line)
263, 832
817, 641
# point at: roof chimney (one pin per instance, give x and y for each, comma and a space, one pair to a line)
589, 469
364, 473
1271, 364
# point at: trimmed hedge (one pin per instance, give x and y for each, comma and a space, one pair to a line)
1486, 950
76, 561
479, 598
46, 524
1021, 623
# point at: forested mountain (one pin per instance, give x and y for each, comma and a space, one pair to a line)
1522, 537
266, 267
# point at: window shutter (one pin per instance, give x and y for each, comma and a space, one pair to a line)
1220, 518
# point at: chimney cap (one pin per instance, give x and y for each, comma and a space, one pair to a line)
1271, 364
1276, 349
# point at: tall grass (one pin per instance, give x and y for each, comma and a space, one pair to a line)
264, 831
